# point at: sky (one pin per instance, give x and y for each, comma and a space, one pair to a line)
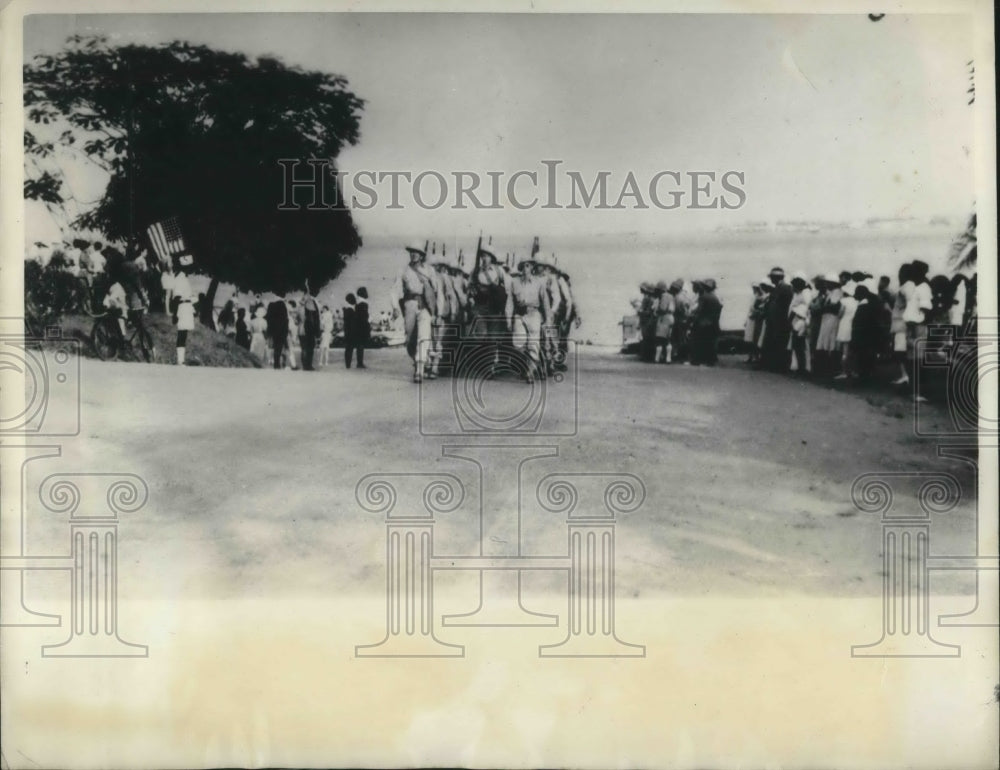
828, 117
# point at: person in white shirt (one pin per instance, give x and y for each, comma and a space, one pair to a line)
184, 296
415, 297
915, 315
798, 314
116, 302
325, 335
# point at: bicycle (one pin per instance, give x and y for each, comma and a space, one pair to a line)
109, 341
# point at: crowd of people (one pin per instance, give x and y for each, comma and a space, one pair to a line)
836, 325
517, 313
502, 315
678, 325
841, 325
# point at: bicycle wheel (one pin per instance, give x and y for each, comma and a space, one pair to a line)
104, 338
145, 340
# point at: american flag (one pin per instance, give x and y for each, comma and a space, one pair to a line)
166, 238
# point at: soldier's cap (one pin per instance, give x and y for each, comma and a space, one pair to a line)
661, 286
777, 271
487, 253
677, 285
696, 284
416, 250
526, 261
709, 283
185, 259
646, 287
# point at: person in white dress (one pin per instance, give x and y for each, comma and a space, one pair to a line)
258, 335
184, 297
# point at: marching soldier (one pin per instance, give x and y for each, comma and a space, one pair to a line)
491, 305
415, 296
530, 312
545, 271
569, 314
442, 330
460, 284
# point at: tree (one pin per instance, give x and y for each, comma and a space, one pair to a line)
191, 132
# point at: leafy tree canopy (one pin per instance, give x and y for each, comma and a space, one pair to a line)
188, 131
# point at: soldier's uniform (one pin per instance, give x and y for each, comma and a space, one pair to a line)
415, 295
491, 305
545, 271
443, 330
568, 314
647, 321
665, 306
531, 310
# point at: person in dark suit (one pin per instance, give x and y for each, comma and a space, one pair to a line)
705, 324
277, 327
350, 329
310, 329
242, 329
362, 325
775, 355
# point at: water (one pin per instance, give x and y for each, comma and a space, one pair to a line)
606, 269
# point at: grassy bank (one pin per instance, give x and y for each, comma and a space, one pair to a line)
204, 346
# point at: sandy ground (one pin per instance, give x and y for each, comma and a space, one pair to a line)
747, 474
252, 573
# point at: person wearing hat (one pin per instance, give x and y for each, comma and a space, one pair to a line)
664, 311
775, 355
755, 319
416, 299
645, 307
183, 301
491, 306
826, 316
680, 328
848, 306
705, 324
798, 315
530, 312
545, 271
460, 285
442, 330
866, 329
566, 317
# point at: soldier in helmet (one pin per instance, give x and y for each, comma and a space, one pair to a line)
645, 307
491, 305
531, 311
416, 299
569, 315
545, 270
448, 311
665, 307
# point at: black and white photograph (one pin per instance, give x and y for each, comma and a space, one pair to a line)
520, 385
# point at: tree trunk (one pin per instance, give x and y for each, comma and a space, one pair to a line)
206, 307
